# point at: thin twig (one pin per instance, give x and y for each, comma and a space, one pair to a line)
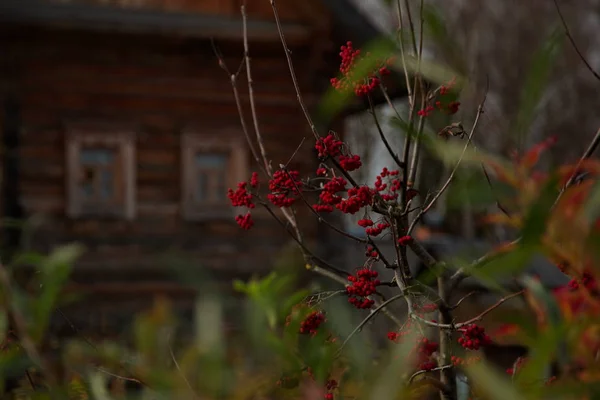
423, 371
185, 379
458, 303
572, 40
451, 177
238, 103
294, 153
288, 57
259, 139
587, 154
321, 219
368, 318
305, 250
382, 136
489, 309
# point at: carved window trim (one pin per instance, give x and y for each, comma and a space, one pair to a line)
123, 142
236, 171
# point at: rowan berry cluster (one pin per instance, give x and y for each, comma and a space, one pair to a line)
457, 361
426, 308
393, 185
363, 284
329, 197
425, 349
376, 230
321, 172
330, 146
587, 280
245, 221
350, 79
311, 323
330, 386
285, 188
350, 163
371, 252
358, 198
474, 336
405, 240
242, 198
425, 112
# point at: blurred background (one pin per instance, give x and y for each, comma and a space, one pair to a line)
121, 131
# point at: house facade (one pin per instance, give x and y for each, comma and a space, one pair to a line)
120, 131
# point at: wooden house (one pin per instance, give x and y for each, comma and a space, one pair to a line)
120, 131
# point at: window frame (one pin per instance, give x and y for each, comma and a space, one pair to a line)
192, 143
123, 142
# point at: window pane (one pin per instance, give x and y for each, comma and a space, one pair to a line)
211, 161
96, 156
220, 187
107, 184
87, 189
202, 191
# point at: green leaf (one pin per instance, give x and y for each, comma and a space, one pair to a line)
55, 270
591, 210
494, 385
537, 76
334, 101
534, 224
98, 386
389, 386
436, 29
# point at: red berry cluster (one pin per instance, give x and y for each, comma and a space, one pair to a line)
376, 230
254, 180
311, 323
321, 172
393, 336
425, 349
284, 187
464, 361
330, 386
474, 336
357, 199
405, 240
371, 252
245, 221
360, 86
241, 197
363, 285
587, 280
393, 186
329, 194
365, 222
425, 112
350, 163
427, 308
329, 146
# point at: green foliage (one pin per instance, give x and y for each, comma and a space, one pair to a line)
534, 86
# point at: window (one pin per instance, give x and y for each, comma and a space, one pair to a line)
100, 173
211, 165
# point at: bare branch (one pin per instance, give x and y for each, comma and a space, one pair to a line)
288, 57
445, 186
383, 138
372, 314
572, 40
259, 139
